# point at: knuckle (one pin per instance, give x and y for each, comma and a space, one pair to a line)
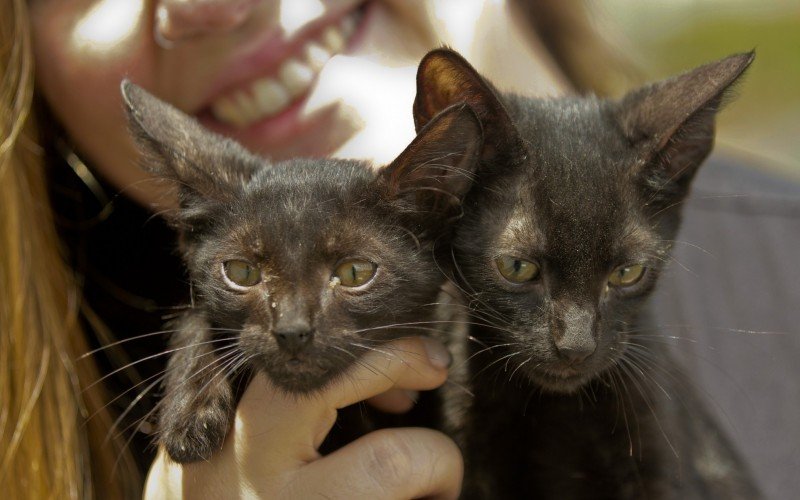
389, 460
445, 453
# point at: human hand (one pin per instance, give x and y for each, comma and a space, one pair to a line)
271, 452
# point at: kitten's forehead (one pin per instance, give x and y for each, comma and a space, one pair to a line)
577, 192
301, 206
520, 232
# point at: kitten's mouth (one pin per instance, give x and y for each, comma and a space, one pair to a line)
298, 362
560, 379
301, 373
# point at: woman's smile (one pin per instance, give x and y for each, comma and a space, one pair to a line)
278, 74
260, 96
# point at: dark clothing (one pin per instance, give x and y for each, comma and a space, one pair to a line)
132, 279
732, 295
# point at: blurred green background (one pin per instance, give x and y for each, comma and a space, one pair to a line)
762, 125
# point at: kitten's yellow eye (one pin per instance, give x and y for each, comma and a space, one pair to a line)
626, 275
241, 273
517, 270
354, 272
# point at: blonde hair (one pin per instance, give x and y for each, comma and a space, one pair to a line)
48, 449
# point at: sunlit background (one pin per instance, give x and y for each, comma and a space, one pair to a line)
664, 37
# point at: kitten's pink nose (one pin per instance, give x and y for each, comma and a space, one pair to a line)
180, 19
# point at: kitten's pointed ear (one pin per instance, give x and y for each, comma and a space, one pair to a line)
434, 173
445, 78
175, 146
673, 121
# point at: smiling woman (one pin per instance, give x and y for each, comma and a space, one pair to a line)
286, 78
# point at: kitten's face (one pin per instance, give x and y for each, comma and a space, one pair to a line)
305, 265
562, 251
574, 211
312, 276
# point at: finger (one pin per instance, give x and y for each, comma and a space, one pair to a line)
270, 421
270, 417
390, 463
394, 400
413, 363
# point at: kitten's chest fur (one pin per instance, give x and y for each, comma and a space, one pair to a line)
626, 435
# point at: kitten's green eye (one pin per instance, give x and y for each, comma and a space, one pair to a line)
354, 272
517, 270
241, 273
626, 275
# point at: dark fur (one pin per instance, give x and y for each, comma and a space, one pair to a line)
295, 220
579, 185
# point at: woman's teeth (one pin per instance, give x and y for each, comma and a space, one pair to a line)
269, 96
316, 55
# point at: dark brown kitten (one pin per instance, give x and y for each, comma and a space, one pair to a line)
297, 267
573, 214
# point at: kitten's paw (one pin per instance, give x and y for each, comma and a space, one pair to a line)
197, 438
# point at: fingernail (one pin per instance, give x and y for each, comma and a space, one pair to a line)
437, 353
412, 395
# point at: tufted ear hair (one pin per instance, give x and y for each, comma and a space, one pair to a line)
430, 178
174, 146
445, 78
673, 122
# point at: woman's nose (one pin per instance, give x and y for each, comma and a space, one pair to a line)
181, 19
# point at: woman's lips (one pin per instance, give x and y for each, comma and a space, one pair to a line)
270, 96
283, 135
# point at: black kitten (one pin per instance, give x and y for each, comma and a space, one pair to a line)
575, 208
297, 267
